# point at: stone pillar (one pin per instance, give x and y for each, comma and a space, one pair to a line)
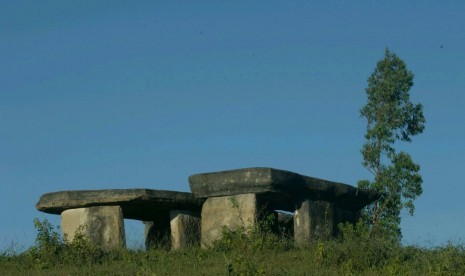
313, 220
185, 228
227, 211
157, 233
103, 225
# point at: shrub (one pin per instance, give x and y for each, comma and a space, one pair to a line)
356, 250
50, 249
48, 245
260, 237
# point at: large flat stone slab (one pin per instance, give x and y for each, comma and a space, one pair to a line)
139, 204
279, 187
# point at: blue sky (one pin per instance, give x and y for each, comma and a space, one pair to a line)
113, 94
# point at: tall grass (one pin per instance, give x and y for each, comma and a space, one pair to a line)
260, 252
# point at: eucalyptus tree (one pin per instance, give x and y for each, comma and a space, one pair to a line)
391, 117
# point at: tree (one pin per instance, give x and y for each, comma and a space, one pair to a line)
391, 117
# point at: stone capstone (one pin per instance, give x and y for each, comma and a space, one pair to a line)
281, 187
139, 204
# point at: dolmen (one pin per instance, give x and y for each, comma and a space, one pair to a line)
171, 218
231, 199
242, 197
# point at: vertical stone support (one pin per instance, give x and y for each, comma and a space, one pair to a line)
313, 220
227, 211
185, 229
103, 225
157, 233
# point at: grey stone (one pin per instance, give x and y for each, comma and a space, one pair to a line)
318, 220
227, 211
185, 229
280, 188
103, 225
139, 204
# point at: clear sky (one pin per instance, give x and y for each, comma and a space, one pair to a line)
142, 94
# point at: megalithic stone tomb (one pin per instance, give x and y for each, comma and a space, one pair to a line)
219, 199
170, 217
241, 197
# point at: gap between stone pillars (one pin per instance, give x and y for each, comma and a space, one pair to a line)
103, 225
185, 228
157, 233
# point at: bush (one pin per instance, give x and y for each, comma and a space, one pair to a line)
246, 250
48, 245
261, 237
356, 250
51, 250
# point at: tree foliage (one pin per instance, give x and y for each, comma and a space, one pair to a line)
391, 117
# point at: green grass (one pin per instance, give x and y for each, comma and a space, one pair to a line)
259, 253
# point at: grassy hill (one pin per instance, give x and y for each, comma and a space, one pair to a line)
258, 253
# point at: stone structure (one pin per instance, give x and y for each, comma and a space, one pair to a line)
236, 198
101, 212
240, 197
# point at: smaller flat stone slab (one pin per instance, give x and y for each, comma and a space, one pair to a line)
139, 204
280, 186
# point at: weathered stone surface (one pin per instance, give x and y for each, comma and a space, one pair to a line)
312, 220
229, 211
103, 225
316, 220
140, 204
287, 185
185, 228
